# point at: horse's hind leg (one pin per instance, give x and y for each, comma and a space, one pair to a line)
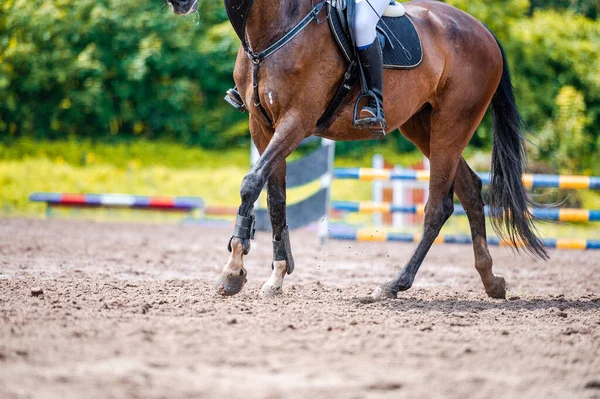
441, 135
468, 189
438, 209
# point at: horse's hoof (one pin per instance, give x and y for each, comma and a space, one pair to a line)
272, 287
497, 290
228, 284
383, 292
270, 291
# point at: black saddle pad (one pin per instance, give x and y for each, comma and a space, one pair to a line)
402, 47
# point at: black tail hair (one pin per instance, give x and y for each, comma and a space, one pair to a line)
508, 200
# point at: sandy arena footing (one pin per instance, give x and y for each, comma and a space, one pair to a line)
102, 310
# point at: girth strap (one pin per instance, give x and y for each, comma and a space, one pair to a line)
348, 82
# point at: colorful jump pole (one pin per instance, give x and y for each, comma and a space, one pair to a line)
559, 215
118, 200
380, 236
529, 180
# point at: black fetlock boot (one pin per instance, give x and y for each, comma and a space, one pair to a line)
371, 60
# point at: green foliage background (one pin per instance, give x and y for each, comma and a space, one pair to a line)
117, 70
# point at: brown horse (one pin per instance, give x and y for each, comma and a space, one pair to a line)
438, 106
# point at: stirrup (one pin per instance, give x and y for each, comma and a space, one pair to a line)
377, 124
234, 98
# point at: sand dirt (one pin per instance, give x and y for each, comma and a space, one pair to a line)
101, 310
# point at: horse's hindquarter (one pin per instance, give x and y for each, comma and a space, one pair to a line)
470, 55
472, 68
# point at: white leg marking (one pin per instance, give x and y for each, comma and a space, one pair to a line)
273, 285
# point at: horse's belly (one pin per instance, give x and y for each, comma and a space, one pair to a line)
402, 99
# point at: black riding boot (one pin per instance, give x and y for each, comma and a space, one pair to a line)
371, 60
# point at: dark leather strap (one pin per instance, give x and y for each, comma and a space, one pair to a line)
238, 12
314, 13
338, 99
256, 95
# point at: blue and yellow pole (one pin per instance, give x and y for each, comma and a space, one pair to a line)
558, 215
529, 180
368, 235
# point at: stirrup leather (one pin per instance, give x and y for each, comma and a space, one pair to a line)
234, 98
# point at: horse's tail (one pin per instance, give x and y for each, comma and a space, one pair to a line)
508, 200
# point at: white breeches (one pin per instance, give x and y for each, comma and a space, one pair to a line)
367, 17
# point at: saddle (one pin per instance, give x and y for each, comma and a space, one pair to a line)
399, 40
397, 34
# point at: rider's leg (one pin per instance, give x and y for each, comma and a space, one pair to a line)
371, 61
368, 13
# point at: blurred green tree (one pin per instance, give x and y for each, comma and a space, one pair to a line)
112, 69
115, 70
589, 8
554, 52
563, 140
558, 56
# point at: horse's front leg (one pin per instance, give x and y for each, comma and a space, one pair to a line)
286, 138
283, 261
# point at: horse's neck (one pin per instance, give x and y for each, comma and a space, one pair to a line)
271, 19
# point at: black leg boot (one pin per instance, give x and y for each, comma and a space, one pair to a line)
371, 60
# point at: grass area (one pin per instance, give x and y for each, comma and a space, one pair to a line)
147, 168
126, 155
141, 167
18, 179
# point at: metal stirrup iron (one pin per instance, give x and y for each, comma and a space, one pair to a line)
234, 99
